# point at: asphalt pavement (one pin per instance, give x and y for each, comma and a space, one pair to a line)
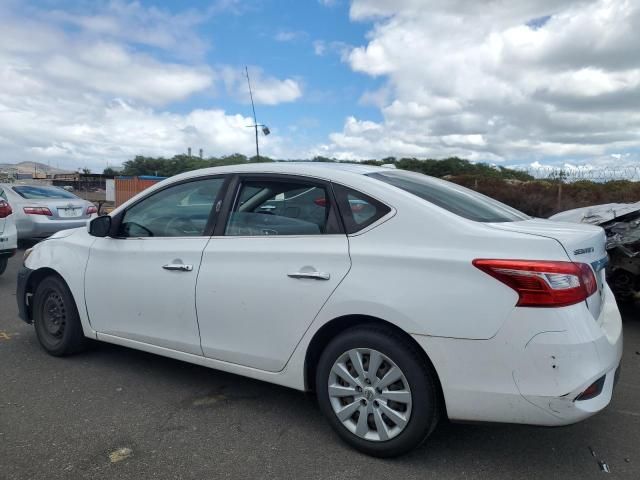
115, 413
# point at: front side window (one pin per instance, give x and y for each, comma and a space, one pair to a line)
462, 201
31, 192
271, 207
179, 211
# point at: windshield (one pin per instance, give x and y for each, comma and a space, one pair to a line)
31, 192
454, 198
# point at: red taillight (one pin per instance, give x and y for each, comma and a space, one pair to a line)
543, 283
37, 211
5, 209
91, 210
321, 201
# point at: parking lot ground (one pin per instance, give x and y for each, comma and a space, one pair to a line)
115, 413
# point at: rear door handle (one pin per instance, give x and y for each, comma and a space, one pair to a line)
178, 267
313, 275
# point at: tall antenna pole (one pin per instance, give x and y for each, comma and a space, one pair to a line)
255, 120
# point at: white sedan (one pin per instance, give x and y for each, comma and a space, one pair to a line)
397, 298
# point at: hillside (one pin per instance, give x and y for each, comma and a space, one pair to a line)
30, 167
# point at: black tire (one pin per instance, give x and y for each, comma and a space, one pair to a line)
4, 261
425, 393
56, 318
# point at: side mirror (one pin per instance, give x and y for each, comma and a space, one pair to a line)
100, 226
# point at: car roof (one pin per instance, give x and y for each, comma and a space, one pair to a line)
318, 169
349, 174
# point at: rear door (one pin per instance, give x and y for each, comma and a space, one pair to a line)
140, 283
277, 255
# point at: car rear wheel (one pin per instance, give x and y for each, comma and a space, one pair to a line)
56, 318
3, 264
377, 391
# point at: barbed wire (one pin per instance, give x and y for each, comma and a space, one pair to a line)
574, 174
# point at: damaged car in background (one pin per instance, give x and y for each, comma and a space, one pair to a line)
621, 223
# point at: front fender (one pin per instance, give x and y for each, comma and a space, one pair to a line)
67, 257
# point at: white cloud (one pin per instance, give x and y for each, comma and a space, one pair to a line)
152, 26
91, 97
498, 81
290, 35
322, 47
319, 47
111, 69
88, 131
267, 90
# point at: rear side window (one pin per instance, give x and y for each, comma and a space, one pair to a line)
357, 209
454, 198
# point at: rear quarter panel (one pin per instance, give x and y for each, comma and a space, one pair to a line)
415, 271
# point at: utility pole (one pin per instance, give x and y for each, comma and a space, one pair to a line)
265, 129
255, 120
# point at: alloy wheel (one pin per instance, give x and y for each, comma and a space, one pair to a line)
370, 394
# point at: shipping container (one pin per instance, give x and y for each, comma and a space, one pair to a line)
128, 187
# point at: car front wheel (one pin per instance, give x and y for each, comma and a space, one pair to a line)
377, 391
56, 318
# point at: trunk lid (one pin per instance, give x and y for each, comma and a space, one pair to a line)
583, 244
63, 208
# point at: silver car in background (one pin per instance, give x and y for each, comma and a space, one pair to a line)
42, 210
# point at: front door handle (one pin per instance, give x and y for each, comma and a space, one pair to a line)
178, 267
313, 275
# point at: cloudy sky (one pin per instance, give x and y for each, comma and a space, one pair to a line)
86, 83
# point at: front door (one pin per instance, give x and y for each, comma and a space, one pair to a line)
140, 285
269, 270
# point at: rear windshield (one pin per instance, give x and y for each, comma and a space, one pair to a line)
454, 198
34, 193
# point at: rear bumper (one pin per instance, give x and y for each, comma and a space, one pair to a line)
38, 226
533, 370
21, 294
7, 253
